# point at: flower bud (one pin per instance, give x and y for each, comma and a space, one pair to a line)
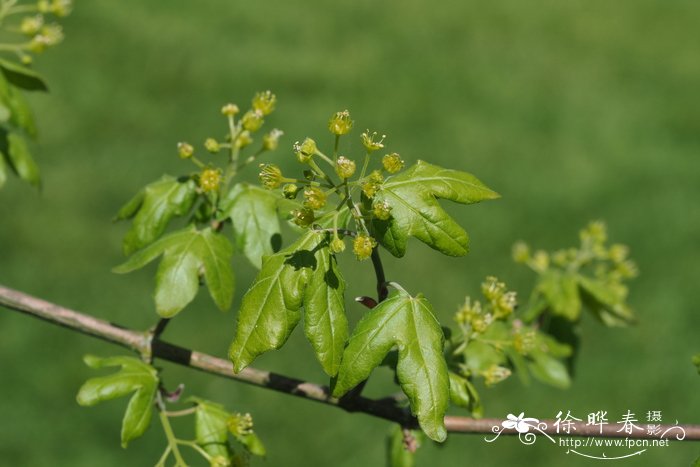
337, 245
209, 180
211, 145
521, 252
495, 374
368, 140
271, 140
392, 163
185, 150
344, 167
303, 217
61, 8
31, 25
243, 139
381, 210
270, 176
314, 198
230, 110
290, 191
252, 120
264, 102
362, 246
305, 150
340, 123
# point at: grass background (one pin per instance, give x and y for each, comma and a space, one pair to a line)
572, 110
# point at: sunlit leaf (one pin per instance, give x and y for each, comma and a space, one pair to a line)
134, 376
256, 227
415, 212
187, 255
153, 208
409, 324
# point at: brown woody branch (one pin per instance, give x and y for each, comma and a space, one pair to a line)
389, 408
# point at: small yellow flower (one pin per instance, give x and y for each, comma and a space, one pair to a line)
381, 210
185, 150
521, 252
290, 191
368, 140
305, 150
340, 123
264, 102
31, 25
337, 245
252, 120
314, 198
240, 424
230, 110
344, 167
211, 145
392, 163
271, 140
372, 184
270, 176
362, 246
209, 180
243, 139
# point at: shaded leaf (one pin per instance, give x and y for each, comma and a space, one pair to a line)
253, 213
409, 324
304, 274
549, 370
252, 443
187, 254
15, 149
607, 301
153, 208
18, 112
3, 170
133, 376
211, 429
22, 77
413, 196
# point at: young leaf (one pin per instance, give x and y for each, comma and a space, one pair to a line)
211, 429
325, 324
21, 76
134, 376
15, 149
305, 274
186, 253
607, 301
153, 208
253, 213
415, 211
464, 394
409, 324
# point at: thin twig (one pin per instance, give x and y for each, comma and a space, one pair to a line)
390, 408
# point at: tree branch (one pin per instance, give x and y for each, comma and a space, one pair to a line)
150, 346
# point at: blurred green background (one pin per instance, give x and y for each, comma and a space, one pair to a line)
572, 110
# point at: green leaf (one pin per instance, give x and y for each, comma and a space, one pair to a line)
697, 462
413, 196
186, 253
561, 291
14, 147
153, 208
607, 301
409, 324
253, 213
133, 376
549, 370
211, 429
304, 274
18, 111
464, 394
397, 454
22, 77
325, 324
